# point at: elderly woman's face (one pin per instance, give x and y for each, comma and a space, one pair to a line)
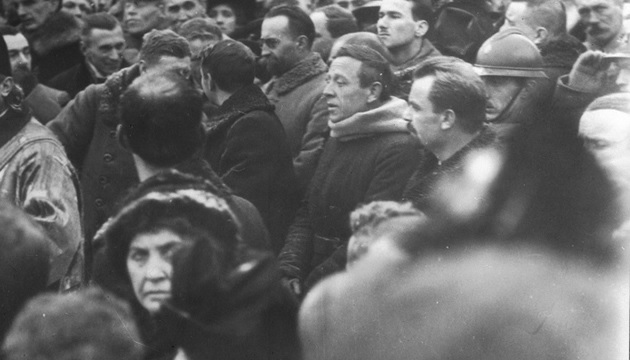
225, 17
150, 267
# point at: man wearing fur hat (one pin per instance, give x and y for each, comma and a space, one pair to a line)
54, 36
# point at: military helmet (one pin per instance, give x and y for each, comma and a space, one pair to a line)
509, 53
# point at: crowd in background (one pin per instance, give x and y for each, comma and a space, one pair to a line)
314, 179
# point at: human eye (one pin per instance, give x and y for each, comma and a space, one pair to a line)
188, 5
173, 9
381, 15
138, 255
13, 53
212, 14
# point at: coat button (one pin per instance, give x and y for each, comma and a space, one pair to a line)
103, 180
108, 157
99, 202
112, 134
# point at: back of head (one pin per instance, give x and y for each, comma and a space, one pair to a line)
550, 14
203, 28
300, 24
422, 10
374, 68
231, 65
362, 38
159, 43
339, 20
24, 261
457, 87
99, 20
161, 119
509, 53
84, 325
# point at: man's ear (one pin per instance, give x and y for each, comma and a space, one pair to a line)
447, 119
302, 42
6, 86
541, 35
143, 66
375, 92
122, 138
422, 27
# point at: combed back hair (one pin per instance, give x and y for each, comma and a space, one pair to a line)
200, 28
364, 38
422, 10
8, 30
231, 65
100, 20
339, 21
161, 119
374, 68
616, 101
299, 21
456, 87
550, 14
159, 43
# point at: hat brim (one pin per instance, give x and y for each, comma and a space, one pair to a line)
511, 72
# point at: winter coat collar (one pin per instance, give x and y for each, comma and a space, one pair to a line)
485, 138
243, 101
11, 122
115, 85
387, 118
304, 71
562, 52
427, 50
59, 30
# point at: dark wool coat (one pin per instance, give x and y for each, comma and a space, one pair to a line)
55, 45
73, 80
247, 147
559, 55
352, 170
404, 72
87, 129
430, 171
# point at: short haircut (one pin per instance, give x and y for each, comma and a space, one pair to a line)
364, 38
374, 68
83, 325
457, 87
161, 119
159, 43
339, 20
8, 30
100, 20
615, 101
200, 28
550, 14
422, 10
231, 64
299, 21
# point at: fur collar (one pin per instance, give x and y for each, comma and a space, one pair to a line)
387, 118
243, 101
486, 138
426, 51
115, 85
59, 30
304, 71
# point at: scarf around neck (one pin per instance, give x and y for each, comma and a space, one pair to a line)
386, 118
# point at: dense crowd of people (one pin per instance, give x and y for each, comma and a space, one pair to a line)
314, 179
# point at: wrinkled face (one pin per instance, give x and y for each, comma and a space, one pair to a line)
142, 16
103, 49
606, 133
150, 267
180, 11
33, 13
396, 27
225, 17
172, 64
279, 46
423, 121
19, 51
517, 16
344, 94
78, 8
320, 21
501, 90
603, 20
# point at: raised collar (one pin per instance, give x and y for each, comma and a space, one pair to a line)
485, 138
426, 50
387, 118
244, 100
305, 70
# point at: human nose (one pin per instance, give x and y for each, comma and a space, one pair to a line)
20, 10
328, 90
22, 59
407, 114
156, 269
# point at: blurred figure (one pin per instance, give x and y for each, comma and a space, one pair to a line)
87, 127
369, 156
245, 142
44, 102
140, 17
402, 28
230, 305
102, 43
446, 113
603, 21
37, 177
299, 74
365, 220
77, 8
180, 11
52, 35
200, 34
82, 325
231, 15
331, 22
25, 255
512, 69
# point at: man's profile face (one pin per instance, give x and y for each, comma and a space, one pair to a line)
142, 16
517, 16
603, 20
423, 121
19, 51
279, 47
501, 91
103, 49
396, 26
180, 11
343, 92
33, 13
77, 8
